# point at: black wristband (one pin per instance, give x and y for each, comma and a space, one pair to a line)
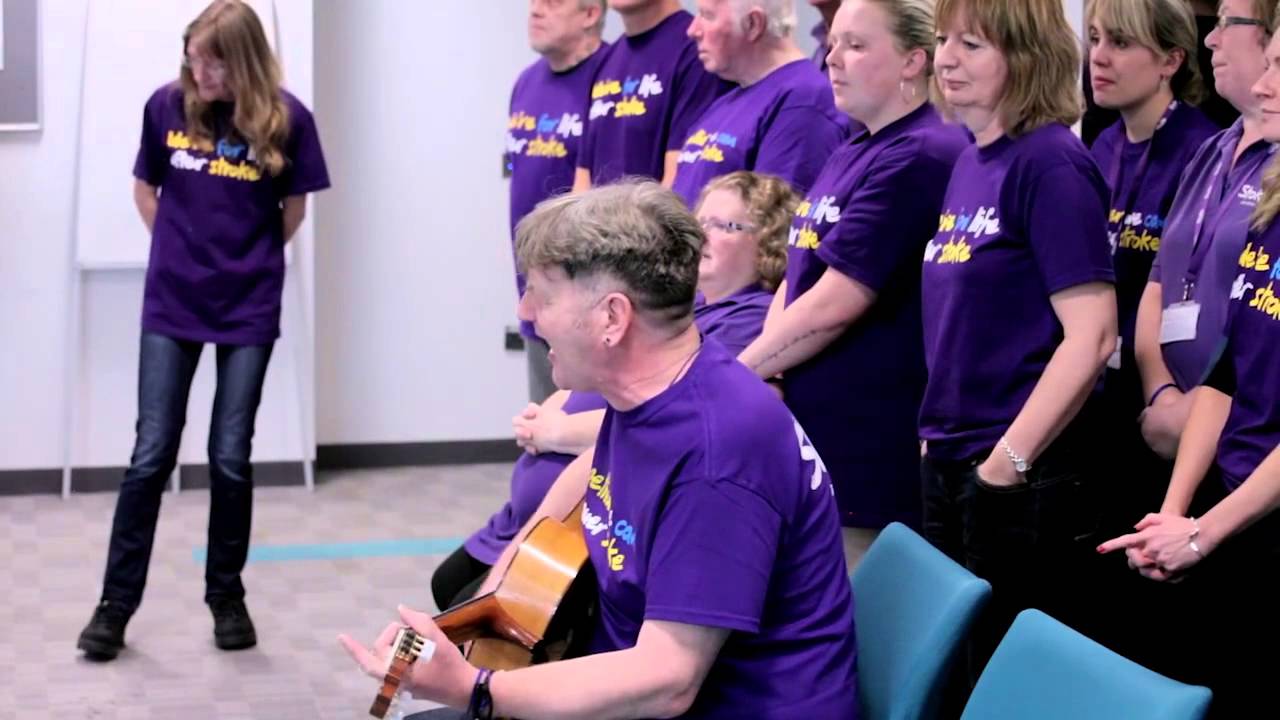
481, 707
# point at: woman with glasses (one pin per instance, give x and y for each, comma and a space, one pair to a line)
1182, 325
844, 332
1229, 552
1183, 311
227, 159
745, 217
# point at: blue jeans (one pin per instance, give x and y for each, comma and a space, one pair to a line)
165, 369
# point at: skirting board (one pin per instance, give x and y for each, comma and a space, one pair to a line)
328, 457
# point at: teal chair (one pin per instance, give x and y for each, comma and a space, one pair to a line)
913, 607
1043, 669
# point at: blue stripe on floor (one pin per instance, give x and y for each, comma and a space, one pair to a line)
342, 551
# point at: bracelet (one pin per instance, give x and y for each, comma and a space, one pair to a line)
1191, 539
481, 705
1019, 464
1159, 390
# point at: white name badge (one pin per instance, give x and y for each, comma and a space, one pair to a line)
1178, 323
1113, 362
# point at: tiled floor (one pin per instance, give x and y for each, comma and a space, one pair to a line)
52, 553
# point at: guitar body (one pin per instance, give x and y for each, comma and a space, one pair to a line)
540, 608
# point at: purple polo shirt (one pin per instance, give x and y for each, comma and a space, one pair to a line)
1247, 370
785, 125
868, 217
216, 270
647, 94
1227, 196
1023, 219
734, 321
708, 506
548, 114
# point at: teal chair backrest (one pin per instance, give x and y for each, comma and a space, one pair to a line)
1043, 669
913, 607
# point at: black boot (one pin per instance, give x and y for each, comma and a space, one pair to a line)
232, 628
103, 637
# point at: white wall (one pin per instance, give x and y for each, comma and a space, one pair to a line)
413, 264
36, 211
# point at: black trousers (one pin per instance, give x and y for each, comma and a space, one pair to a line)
1227, 626
1035, 542
457, 579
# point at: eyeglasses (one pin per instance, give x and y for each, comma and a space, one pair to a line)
1226, 21
216, 68
728, 226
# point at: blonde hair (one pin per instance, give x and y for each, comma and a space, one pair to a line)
770, 204
1269, 205
230, 31
912, 24
1040, 50
636, 232
1161, 26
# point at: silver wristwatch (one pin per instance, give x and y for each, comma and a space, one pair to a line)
1019, 463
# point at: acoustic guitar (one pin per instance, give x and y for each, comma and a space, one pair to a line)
540, 612
542, 607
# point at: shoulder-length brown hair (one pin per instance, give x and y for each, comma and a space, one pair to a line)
1040, 50
229, 30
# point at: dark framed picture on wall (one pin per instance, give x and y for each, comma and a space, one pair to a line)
19, 65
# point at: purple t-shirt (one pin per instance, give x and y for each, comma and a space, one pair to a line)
648, 92
548, 114
1143, 178
868, 216
734, 321
785, 125
707, 506
216, 271
1023, 219
1232, 194
1247, 370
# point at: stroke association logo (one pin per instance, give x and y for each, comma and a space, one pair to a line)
963, 228
633, 94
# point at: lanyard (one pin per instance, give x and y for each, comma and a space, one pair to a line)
1213, 193
1141, 171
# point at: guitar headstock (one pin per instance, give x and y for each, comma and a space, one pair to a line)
407, 647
